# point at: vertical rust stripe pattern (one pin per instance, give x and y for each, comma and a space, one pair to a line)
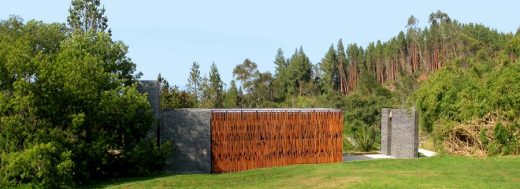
248, 140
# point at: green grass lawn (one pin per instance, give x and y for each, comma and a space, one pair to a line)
436, 172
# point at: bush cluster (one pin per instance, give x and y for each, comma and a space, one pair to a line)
467, 91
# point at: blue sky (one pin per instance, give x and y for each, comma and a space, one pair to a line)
167, 36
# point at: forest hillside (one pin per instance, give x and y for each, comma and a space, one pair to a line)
462, 78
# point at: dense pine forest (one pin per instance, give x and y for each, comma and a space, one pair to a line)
62, 86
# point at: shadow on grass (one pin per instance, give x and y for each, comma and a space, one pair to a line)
119, 181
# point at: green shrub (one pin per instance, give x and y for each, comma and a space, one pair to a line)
365, 138
466, 92
49, 165
347, 145
147, 158
505, 142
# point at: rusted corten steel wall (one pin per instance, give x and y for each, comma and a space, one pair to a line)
248, 139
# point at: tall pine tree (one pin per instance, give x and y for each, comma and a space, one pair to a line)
342, 68
87, 16
329, 66
299, 72
193, 87
231, 98
216, 87
280, 77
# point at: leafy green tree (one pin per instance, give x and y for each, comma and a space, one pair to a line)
27, 40
91, 97
173, 97
21, 44
60, 106
113, 54
258, 86
246, 73
262, 90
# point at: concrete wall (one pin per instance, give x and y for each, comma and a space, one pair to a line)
189, 131
385, 132
399, 133
153, 89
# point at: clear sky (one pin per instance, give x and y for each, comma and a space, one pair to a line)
166, 36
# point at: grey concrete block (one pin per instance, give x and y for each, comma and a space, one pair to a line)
153, 89
190, 133
385, 132
399, 133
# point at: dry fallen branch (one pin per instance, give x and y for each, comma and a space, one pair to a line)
465, 139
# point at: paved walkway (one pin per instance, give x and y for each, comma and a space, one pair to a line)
427, 153
351, 157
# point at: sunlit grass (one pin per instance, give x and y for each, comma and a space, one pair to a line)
436, 172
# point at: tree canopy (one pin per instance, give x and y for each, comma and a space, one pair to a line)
69, 107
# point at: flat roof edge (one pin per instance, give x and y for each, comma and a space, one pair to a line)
278, 110
261, 110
